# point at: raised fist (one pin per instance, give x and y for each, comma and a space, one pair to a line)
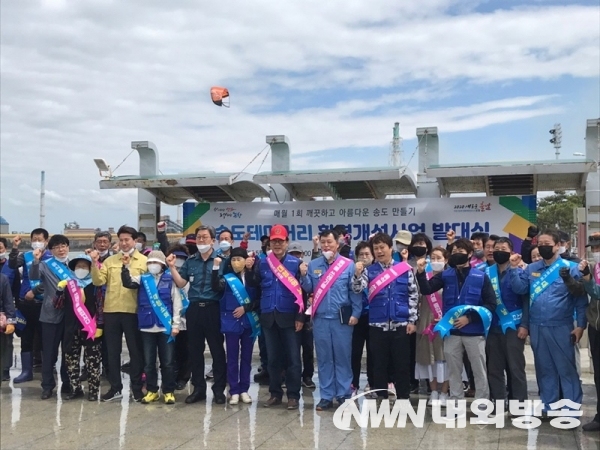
94, 255
16, 241
88, 251
171, 260
246, 236
358, 269
404, 254
565, 273
450, 235
161, 227
250, 262
126, 258
316, 240
421, 264
218, 261
303, 269
116, 247
515, 260
37, 254
584, 268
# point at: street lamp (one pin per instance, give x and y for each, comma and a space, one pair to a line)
103, 167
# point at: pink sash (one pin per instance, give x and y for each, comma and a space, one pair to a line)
81, 312
435, 304
332, 274
288, 280
597, 272
386, 277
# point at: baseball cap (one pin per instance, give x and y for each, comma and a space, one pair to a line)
190, 239
295, 247
278, 232
404, 237
593, 240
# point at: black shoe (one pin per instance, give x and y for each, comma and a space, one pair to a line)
592, 426
262, 378
84, 375
112, 394
65, 388
324, 405
220, 399
180, 385
46, 394
195, 396
308, 383
75, 394
414, 389
92, 397
6, 375
137, 396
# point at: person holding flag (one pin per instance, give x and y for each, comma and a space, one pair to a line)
335, 309
281, 308
159, 307
505, 343
239, 320
82, 303
393, 298
468, 301
551, 306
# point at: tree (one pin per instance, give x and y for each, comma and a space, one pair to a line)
556, 211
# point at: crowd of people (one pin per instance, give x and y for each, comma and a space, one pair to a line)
451, 319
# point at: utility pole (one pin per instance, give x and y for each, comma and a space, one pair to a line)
556, 140
396, 150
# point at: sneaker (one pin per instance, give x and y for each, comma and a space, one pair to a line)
169, 399
443, 399
112, 394
234, 400
138, 396
210, 375
433, 398
74, 394
392, 388
150, 397
245, 397
307, 382
324, 405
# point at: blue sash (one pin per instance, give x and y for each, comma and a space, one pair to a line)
507, 319
185, 301
549, 276
21, 320
482, 266
241, 295
28, 257
157, 304
61, 271
447, 323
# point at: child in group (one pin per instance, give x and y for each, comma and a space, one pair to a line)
83, 303
159, 308
430, 360
239, 321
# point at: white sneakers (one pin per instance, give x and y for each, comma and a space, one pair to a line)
234, 400
437, 398
443, 399
246, 398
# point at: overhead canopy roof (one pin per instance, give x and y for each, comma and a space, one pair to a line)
512, 178
343, 184
203, 187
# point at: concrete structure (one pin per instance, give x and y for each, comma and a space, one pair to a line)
431, 180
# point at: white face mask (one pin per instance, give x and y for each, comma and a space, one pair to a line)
596, 256
104, 253
3, 255
81, 273
139, 246
401, 247
36, 245
224, 245
562, 249
328, 255
203, 248
179, 263
130, 252
62, 260
437, 266
154, 268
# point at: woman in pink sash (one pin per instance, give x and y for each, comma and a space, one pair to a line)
431, 363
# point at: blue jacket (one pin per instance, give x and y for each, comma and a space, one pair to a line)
274, 295
511, 300
391, 303
555, 305
146, 316
340, 294
16, 260
229, 303
199, 272
469, 294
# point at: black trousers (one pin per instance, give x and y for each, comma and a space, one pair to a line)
52, 336
306, 344
182, 360
594, 337
115, 325
31, 311
360, 337
204, 323
391, 347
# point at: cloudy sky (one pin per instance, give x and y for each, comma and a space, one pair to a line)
83, 78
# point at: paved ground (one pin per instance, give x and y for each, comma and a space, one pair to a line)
30, 423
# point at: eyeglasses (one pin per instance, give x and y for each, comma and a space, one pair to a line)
60, 247
204, 238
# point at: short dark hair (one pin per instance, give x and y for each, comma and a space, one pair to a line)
4, 241
141, 235
552, 233
211, 230
480, 236
340, 230
330, 232
382, 238
493, 237
178, 248
264, 238
226, 230
361, 245
422, 237
440, 249
505, 240
39, 231
101, 234
57, 239
464, 244
127, 230
564, 236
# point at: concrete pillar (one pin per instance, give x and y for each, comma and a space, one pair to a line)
280, 163
429, 155
148, 204
592, 187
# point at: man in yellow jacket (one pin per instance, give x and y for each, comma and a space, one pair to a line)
120, 316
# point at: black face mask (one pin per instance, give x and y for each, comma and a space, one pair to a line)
418, 251
458, 259
192, 249
501, 257
546, 251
